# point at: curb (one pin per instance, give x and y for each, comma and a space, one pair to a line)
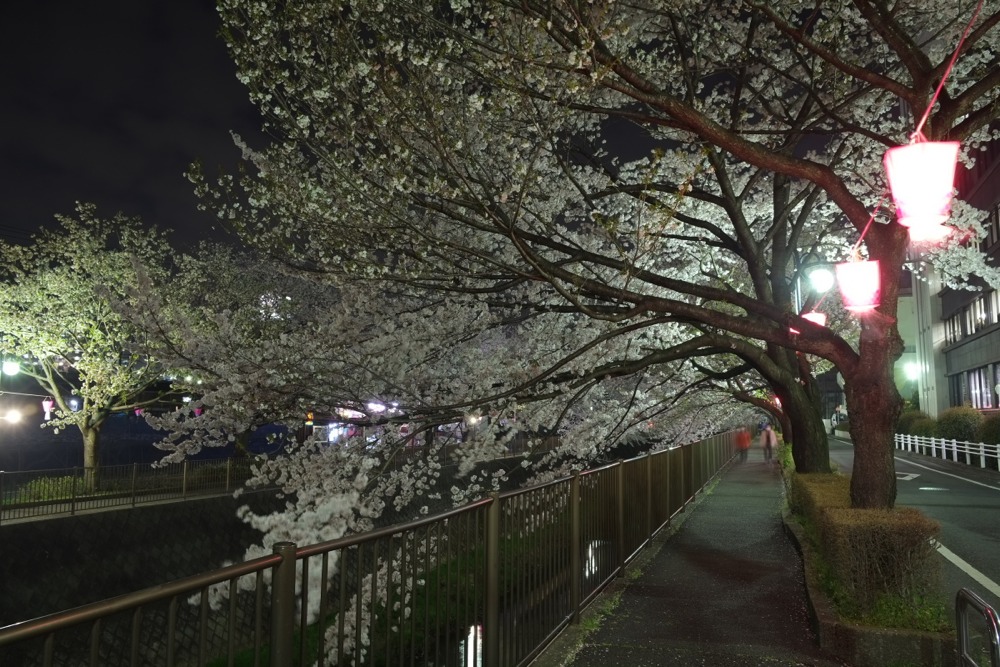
866, 646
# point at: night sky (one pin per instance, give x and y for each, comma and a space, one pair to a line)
109, 102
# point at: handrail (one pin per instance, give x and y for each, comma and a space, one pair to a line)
95, 610
26, 495
529, 559
958, 451
964, 601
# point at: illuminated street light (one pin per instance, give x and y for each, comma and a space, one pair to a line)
11, 368
12, 416
821, 279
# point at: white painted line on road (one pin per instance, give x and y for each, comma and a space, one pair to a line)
978, 576
941, 472
907, 476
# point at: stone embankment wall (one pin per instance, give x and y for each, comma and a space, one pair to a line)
56, 564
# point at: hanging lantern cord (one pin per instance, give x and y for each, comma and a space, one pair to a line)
855, 256
917, 135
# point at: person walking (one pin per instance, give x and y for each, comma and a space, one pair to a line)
743, 443
768, 440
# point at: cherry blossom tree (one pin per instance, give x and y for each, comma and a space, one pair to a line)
57, 315
666, 167
258, 342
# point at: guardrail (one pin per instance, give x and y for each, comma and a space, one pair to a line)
969, 653
37, 493
970, 453
491, 583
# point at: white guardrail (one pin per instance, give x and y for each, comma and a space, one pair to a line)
977, 454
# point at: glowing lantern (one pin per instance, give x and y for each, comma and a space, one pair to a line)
930, 234
813, 316
859, 285
922, 177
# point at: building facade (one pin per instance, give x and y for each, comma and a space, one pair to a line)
957, 345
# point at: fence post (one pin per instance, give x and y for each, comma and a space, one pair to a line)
982, 455
620, 474
135, 472
649, 495
283, 606
72, 495
491, 624
575, 564
229, 469
184, 480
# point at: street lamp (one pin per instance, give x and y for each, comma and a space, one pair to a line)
819, 279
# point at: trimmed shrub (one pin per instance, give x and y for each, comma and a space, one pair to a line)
843, 426
878, 566
989, 430
959, 423
875, 554
924, 427
906, 420
810, 492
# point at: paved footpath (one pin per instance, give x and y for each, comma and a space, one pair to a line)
726, 589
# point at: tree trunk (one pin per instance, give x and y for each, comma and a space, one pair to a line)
810, 448
91, 443
873, 407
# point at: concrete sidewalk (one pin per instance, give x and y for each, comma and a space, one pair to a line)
725, 587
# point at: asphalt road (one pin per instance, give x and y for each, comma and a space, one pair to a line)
966, 502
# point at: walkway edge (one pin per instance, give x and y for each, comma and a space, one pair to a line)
864, 646
562, 650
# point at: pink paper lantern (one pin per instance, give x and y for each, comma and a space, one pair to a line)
922, 178
930, 234
860, 285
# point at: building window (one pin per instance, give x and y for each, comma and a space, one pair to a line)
953, 329
992, 228
996, 385
980, 389
978, 315
956, 389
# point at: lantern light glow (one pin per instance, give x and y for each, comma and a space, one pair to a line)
922, 180
860, 285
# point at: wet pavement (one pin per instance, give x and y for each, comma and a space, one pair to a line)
725, 587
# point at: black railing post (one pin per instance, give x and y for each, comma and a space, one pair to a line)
491, 624
135, 472
575, 545
283, 606
620, 475
649, 495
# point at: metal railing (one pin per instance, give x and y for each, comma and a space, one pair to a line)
970, 651
490, 583
38, 493
970, 453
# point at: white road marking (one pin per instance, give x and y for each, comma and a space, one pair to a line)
978, 576
907, 476
940, 472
